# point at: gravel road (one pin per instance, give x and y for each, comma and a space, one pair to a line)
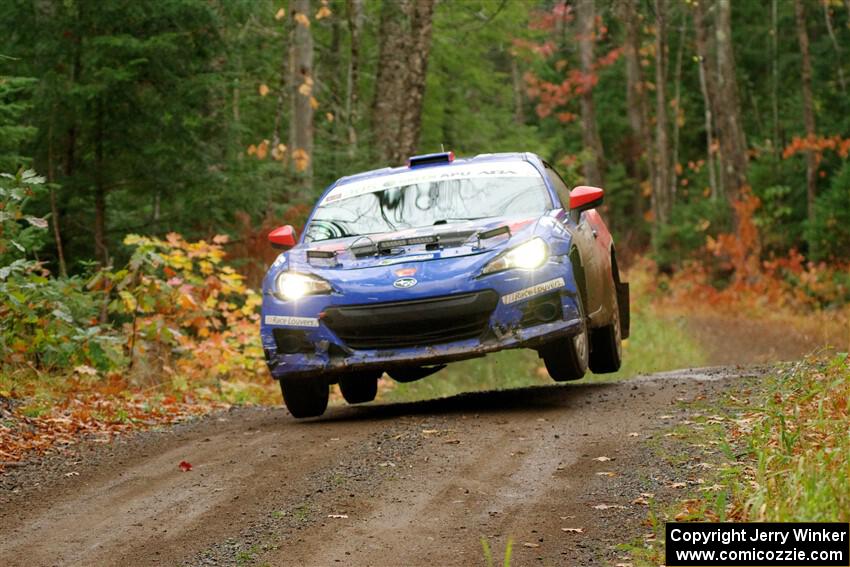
384, 484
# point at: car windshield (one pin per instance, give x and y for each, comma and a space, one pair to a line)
434, 196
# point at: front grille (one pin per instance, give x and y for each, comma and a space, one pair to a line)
418, 322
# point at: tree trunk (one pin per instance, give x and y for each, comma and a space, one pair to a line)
400, 86
302, 118
638, 111
677, 96
417, 67
594, 165
732, 131
808, 105
828, 17
54, 209
355, 28
100, 245
708, 84
519, 100
661, 203
774, 91
391, 78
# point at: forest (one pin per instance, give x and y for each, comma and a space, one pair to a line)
148, 147
141, 114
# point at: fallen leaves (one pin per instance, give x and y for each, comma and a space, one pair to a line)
603, 459
338, 516
573, 530
185, 466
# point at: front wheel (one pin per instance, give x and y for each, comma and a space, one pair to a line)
359, 387
567, 359
306, 397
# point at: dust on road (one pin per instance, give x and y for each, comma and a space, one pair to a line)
387, 484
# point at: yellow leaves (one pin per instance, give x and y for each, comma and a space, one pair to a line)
306, 87
128, 300
280, 14
323, 12
279, 152
329, 116
263, 89
301, 159
314, 103
301, 19
206, 267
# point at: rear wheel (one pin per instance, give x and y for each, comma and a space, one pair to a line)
567, 359
606, 343
306, 397
359, 387
606, 347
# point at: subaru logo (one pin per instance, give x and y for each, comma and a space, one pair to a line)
405, 283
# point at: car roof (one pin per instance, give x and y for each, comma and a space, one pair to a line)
480, 158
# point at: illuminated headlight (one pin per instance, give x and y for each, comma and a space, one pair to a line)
292, 285
527, 256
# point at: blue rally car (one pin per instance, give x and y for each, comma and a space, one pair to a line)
402, 270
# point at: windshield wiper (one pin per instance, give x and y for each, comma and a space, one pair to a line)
457, 219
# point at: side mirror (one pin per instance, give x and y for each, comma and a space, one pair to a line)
282, 237
585, 197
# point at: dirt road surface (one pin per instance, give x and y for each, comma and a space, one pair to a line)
386, 484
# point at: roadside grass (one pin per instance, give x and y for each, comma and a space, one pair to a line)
781, 453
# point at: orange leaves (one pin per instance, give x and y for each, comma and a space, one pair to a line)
323, 12
301, 159
818, 144
190, 308
301, 19
263, 90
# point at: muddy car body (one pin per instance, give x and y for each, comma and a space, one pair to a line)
402, 270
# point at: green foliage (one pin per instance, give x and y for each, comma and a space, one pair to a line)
829, 233
15, 93
46, 322
20, 233
690, 223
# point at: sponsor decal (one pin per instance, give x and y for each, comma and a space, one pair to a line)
402, 272
412, 177
405, 283
532, 291
291, 321
415, 258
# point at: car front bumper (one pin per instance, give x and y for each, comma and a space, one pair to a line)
323, 336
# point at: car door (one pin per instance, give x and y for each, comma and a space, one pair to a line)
587, 266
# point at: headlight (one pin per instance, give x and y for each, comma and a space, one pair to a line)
527, 256
292, 285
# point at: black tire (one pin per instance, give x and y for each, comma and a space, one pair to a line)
606, 345
305, 398
568, 358
359, 387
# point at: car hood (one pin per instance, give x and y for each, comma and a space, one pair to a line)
452, 240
